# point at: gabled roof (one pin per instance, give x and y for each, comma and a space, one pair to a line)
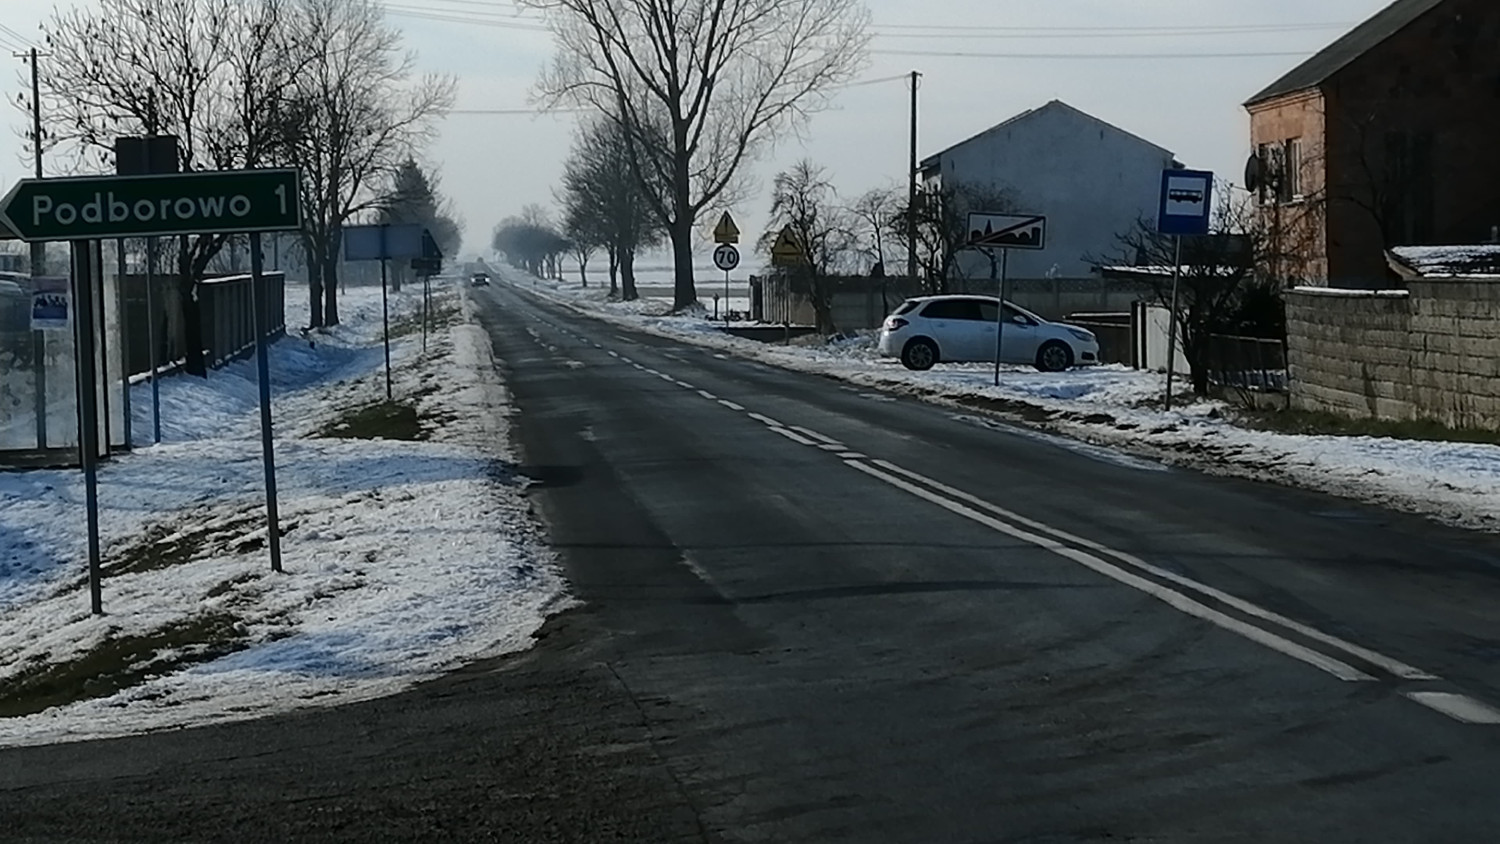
1336, 56
1055, 105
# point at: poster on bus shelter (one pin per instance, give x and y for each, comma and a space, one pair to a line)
50, 305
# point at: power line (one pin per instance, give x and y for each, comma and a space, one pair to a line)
26, 43
960, 54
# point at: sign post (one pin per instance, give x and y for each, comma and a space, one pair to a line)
88, 407
263, 374
1005, 232
88, 209
383, 242
1186, 204
726, 257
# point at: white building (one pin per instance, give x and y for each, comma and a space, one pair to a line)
1091, 179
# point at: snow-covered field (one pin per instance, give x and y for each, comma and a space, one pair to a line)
404, 557
1454, 482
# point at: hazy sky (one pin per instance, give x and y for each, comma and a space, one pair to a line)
1185, 96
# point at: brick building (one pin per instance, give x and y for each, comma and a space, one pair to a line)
1385, 138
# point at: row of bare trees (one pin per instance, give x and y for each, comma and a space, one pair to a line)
322, 85
688, 93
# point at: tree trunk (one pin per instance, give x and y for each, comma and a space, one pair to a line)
822, 308
314, 289
331, 287
614, 273
1195, 350
583, 270
684, 285
194, 362
627, 276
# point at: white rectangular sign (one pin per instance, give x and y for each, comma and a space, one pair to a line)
1007, 231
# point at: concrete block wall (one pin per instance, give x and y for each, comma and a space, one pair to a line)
1431, 352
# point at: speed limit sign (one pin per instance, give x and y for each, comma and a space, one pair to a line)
726, 257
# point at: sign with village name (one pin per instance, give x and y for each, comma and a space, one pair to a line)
1007, 231
91, 207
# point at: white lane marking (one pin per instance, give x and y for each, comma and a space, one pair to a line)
731, 405
1170, 597
833, 446
1394, 666
706, 394
574, 364
853, 455
792, 435
665, 377
722, 357
766, 420
650, 370
613, 353
807, 432
1100, 453
683, 384
1458, 707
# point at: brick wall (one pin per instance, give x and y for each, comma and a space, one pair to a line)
1432, 352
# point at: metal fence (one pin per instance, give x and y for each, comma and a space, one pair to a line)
1247, 363
226, 320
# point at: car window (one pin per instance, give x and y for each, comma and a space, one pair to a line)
1013, 315
907, 307
988, 311
952, 309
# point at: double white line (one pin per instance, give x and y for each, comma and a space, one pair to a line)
1336, 657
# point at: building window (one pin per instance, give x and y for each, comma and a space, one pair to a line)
1290, 182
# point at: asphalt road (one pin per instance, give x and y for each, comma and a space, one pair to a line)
815, 613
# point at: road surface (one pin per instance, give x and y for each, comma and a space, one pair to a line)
814, 613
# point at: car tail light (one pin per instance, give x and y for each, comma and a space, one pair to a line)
895, 324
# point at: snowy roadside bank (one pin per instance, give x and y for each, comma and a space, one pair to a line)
408, 545
1457, 483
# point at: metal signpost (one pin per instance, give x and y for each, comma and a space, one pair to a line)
1184, 211
383, 242
726, 256
1005, 232
88, 209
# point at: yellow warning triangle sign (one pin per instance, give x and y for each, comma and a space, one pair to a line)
726, 231
786, 249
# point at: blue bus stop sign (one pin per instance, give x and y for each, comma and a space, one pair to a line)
1186, 202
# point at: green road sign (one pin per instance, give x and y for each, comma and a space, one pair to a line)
141, 206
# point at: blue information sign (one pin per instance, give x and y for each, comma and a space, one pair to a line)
1186, 202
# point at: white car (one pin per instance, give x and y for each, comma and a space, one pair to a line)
961, 329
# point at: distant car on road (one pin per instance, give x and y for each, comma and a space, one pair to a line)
479, 280
961, 329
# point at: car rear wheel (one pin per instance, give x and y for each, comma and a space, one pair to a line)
1054, 356
920, 354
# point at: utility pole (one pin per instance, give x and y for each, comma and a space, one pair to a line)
911, 188
38, 250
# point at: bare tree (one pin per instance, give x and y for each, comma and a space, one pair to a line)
354, 116
699, 87
599, 190
804, 202
942, 227
214, 73
1218, 275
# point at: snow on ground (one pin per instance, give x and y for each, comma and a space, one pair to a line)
1457, 483
403, 557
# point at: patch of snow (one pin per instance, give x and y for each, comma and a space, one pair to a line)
403, 558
